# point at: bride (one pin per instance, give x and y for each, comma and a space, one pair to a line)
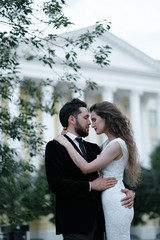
118, 153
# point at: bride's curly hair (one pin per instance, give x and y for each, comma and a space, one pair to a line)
118, 125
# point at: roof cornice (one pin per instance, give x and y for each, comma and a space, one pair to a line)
121, 44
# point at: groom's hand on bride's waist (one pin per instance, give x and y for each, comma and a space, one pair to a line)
128, 200
101, 184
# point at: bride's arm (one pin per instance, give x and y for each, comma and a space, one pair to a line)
101, 161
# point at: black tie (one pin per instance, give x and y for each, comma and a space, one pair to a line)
80, 141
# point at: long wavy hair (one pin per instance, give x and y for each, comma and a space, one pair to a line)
118, 125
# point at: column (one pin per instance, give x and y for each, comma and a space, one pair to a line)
47, 119
108, 94
14, 110
79, 95
80, 84
135, 113
158, 115
145, 131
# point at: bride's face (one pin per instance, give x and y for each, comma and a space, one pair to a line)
98, 123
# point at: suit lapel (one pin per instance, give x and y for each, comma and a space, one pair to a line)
74, 145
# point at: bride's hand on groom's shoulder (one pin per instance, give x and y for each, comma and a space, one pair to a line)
59, 138
62, 140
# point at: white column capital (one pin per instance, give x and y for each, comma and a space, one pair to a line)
108, 93
137, 92
109, 88
78, 94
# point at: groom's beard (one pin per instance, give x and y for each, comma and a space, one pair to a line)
81, 131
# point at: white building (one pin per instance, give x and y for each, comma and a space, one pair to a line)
132, 81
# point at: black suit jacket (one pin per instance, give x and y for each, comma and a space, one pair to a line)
76, 206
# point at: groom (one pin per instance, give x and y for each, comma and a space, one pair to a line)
79, 214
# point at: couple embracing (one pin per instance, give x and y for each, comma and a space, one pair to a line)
92, 200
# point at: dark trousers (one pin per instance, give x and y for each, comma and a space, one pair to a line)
94, 234
89, 236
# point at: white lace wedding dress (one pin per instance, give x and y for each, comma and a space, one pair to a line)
117, 218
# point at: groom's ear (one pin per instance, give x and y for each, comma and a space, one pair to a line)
71, 119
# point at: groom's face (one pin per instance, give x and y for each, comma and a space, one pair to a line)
82, 123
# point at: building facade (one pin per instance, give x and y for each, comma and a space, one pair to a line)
132, 82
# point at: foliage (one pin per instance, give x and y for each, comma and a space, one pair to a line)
46, 202
30, 33
40, 202
30, 196
21, 143
148, 192
14, 192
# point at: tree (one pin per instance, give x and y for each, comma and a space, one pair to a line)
26, 26
148, 192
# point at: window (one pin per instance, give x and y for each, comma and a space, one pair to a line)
153, 118
125, 107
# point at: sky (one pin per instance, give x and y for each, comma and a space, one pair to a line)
135, 21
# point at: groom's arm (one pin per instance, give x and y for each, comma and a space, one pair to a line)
55, 173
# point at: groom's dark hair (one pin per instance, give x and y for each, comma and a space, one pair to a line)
70, 108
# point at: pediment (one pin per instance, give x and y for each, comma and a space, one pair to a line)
128, 57
123, 55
